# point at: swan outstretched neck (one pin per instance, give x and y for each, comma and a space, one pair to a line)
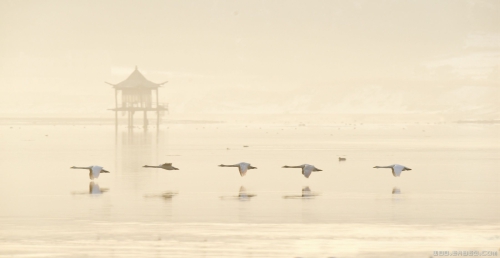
396, 169
243, 167
166, 166
94, 171
306, 169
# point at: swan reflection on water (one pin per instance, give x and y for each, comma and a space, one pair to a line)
396, 190
165, 195
94, 189
306, 194
242, 195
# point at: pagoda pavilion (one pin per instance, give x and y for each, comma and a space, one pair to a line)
135, 94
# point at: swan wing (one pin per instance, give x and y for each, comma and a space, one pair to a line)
243, 167
307, 170
96, 170
396, 170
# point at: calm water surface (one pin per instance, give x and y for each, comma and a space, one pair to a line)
449, 201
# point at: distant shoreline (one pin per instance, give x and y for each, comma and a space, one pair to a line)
91, 121
479, 121
295, 119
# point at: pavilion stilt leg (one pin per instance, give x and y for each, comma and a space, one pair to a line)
157, 120
132, 119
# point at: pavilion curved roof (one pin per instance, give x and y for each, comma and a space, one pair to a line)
136, 80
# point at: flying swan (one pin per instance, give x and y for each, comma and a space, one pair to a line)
306, 169
166, 166
243, 167
94, 171
396, 169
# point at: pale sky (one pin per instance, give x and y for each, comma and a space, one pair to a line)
252, 56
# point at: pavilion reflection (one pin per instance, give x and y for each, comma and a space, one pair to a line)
133, 149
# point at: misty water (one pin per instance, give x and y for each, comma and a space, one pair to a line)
449, 201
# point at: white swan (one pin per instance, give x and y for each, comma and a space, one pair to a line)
396, 169
306, 169
166, 166
94, 171
242, 166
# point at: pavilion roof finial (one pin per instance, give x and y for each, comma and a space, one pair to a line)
136, 67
